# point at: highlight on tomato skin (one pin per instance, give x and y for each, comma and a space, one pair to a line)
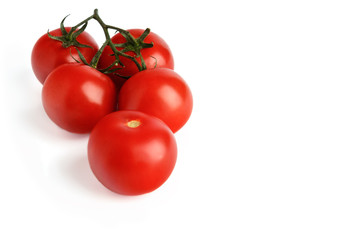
131, 153
76, 96
159, 92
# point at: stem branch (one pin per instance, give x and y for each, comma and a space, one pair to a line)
132, 44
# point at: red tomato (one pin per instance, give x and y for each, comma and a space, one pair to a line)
48, 53
159, 51
131, 153
160, 92
76, 96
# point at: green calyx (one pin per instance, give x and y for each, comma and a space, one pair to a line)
70, 38
134, 44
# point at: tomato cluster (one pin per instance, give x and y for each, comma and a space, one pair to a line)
124, 93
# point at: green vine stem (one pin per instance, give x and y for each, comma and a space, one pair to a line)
132, 44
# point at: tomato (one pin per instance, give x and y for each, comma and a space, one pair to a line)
76, 96
160, 92
160, 53
48, 53
131, 153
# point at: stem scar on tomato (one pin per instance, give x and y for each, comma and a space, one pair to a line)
133, 123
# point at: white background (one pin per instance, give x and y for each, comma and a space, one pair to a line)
272, 150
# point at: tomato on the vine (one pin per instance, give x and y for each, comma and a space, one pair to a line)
160, 92
159, 55
48, 53
131, 153
76, 96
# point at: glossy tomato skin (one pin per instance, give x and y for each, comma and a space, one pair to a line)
159, 51
47, 53
76, 96
131, 153
160, 92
